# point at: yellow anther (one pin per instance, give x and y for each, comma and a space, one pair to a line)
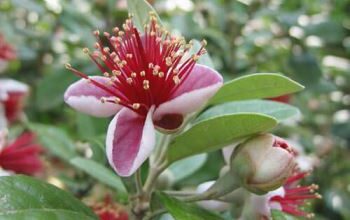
106, 74
129, 80
116, 30
106, 34
176, 79
133, 75
124, 62
204, 43
142, 73
161, 74
116, 72
106, 49
150, 65
136, 106
117, 100
97, 45
145, 84
121, 33
97, 33
129, 55
168, 61
86, 50
195, 57
68, 66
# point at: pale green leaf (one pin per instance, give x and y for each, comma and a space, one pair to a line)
27, 193
183, 211
99, 172
215, 133
255, 86
279, 111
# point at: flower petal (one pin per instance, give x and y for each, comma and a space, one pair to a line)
12, 86
86, 97
262, 205
193, 93
130, 140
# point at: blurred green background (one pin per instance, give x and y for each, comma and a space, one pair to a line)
308, 41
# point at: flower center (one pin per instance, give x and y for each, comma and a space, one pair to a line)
143, 69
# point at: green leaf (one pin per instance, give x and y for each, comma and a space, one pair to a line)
279, 215
55, 140
277, 110
140, 10
255, 86
85, 126
99, 172
305, 68
214, 133
43, 214
49, 93
182, 211
20, 193
184, 168
97, 145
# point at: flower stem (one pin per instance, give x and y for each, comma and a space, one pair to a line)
138, 181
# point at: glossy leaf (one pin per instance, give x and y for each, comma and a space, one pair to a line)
55, 140
279, 111
100, 172
184, 168
183, 211
43, 214
279, 215
50, 93
140, 10
255, 86
214, 133
20, 193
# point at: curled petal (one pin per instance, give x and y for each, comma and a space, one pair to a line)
130, 140
193, 93
86, 97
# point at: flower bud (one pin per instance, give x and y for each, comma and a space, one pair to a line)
263, 163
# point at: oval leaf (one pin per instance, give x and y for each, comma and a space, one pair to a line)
255, 86
217, 132
55, 140
99, 172
140, 10
26, 193
183, 211
41, 214
277, 110
184, 168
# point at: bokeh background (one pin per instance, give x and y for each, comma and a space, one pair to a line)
309, 41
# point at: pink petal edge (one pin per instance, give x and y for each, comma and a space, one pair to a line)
85, 97
130, 141
198, 88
